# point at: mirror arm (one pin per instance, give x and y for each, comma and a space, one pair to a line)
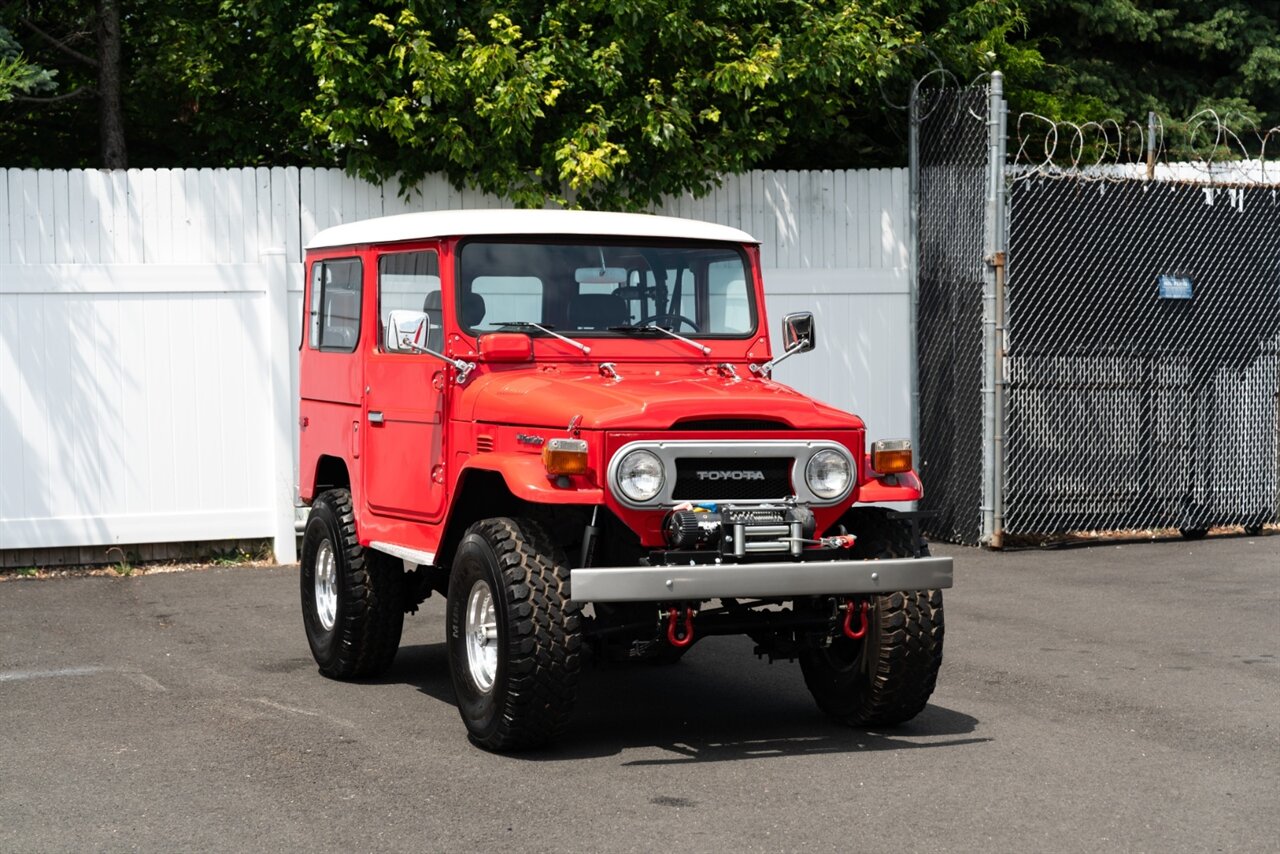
463, 368
766, 369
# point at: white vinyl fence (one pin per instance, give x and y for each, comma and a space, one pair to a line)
149, 325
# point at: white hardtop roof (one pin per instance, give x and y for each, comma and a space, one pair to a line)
430, 224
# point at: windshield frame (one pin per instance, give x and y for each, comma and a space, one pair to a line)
461, 285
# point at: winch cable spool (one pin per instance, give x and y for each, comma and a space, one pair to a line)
690, 526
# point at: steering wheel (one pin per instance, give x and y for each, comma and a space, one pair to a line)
678, 318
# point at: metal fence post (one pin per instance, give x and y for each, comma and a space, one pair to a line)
992, 304
1151, 145
913, 262
1000, 261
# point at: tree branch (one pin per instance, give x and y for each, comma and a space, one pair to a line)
60, 44
78, 92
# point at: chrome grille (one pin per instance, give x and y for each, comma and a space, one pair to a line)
781, 464
732, 478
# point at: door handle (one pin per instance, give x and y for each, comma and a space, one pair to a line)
375, 417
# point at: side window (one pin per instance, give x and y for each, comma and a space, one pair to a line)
410, 281
335, 305
502, 299
727, 297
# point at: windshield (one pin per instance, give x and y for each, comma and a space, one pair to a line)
586, 288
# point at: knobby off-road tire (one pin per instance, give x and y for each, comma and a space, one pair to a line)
534, 635
353, 631
887, 677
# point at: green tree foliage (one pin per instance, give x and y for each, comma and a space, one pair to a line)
20, 78
1119, 59
619, 101
1088, 61
605, 103
206, 83
960, 42
57, 122
224, 82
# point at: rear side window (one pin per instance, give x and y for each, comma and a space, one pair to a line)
335, 305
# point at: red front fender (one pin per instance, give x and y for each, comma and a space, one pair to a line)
528, 480
891, 487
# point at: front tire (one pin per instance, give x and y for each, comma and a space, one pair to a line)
514, 636
887, 677
351, 597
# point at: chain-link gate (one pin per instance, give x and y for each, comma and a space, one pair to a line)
951, 168
1143, 325
1127, 373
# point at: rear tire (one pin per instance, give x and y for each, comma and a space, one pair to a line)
887, 677
352, 598
514, 636
1193, 533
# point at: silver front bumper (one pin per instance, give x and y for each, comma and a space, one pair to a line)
757, 580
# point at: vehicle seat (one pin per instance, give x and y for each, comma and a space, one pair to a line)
341, 327
597, 311
434, 309
473, 309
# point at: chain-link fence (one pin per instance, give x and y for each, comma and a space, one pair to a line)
1143, 363
951, 188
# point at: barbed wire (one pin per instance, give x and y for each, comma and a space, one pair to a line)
1206, 148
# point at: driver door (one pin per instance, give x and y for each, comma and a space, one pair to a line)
404, 401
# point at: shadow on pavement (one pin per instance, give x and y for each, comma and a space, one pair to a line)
697, 711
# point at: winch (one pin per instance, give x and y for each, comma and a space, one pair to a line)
740, 531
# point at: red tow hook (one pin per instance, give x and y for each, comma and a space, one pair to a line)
862, 622
680, 633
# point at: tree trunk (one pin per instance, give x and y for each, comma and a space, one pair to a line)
110, 105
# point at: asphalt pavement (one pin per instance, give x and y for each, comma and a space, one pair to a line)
1121, 697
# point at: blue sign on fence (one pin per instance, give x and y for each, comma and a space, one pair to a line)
1174, 287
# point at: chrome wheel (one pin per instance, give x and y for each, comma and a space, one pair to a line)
482, 636
326, 584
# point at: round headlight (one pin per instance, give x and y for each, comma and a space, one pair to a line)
828, 474
640, 475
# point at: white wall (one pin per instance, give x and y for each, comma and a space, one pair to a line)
148, 319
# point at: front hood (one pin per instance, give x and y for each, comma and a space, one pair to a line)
647, 397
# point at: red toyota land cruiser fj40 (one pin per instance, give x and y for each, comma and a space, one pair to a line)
564, 422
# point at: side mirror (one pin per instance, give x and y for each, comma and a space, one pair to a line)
798, 332
407, 332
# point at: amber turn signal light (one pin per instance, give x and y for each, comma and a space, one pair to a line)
565, 456
891, 456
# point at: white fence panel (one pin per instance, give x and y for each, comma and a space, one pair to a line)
863, 354
135, 405
149, 330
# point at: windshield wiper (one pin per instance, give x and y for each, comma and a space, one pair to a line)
547, 329
627, 327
